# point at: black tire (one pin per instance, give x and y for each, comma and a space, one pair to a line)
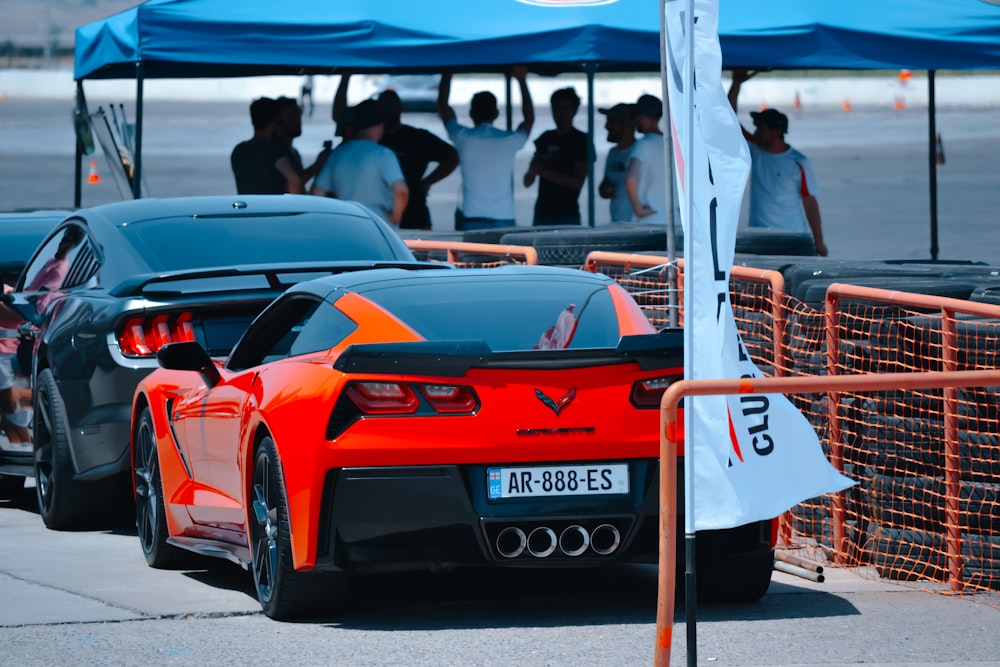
570, 246
63, 503
735, 578
761, 241
283, 593
10, 487
908, 555
150, 515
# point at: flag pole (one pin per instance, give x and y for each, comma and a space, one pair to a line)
690, 573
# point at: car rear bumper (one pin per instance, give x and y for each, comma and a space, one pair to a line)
420, 515
426, 516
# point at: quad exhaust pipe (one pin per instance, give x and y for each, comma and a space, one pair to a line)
572, 541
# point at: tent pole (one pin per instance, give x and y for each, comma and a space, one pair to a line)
78, 171
932, 160
591, 151
510, 101
668, 162
137, 167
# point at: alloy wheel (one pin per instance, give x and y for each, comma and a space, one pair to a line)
264, 528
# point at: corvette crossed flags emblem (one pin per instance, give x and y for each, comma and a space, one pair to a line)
556, 405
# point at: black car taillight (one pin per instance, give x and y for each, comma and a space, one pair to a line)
143, 336
648, 393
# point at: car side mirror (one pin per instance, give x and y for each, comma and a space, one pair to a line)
189, 356
25, 306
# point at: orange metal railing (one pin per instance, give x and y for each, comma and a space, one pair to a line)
927, 505
473, 254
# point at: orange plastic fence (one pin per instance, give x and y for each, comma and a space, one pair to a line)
465, 254
927, 505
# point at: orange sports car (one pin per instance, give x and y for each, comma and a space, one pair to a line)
412, 418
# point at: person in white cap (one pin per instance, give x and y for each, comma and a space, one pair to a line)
782, 184
621, 131
646, 180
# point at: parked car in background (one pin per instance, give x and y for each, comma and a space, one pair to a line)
20, 234
411, 419
112, 284
418, 92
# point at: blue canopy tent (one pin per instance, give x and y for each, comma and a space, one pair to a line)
219, 38
213, 38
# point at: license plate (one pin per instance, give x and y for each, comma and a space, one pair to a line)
570, 480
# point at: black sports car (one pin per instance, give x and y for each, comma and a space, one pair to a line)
20, 234
112, 284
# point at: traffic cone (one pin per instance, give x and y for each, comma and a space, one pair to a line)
3, 96
899, 104
798, 102
939, 157
846, 106
93, 176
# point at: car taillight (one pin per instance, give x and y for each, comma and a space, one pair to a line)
384, 398
143, 336
449, 398
647, 393
380, 398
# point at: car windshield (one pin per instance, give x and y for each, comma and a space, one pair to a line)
507, 315
183, 243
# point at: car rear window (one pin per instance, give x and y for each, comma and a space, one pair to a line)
508, 315
182, 243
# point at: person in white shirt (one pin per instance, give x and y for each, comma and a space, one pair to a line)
486, 155
646, 180
782, 184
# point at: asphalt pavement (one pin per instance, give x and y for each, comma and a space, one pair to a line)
87, 597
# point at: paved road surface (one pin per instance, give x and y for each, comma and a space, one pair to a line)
89, 598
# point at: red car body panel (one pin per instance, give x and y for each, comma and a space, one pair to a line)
526, 413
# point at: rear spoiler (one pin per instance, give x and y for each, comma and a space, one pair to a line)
135, 285
455, 358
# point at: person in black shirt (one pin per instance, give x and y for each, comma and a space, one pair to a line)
560, 164
290, 127
416, 149
262, 165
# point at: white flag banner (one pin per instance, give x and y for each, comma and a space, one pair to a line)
755, 456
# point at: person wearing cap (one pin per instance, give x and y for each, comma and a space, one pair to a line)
261, 165
782, 184
363, 170
621, 131
560, 164
415, 148
486, 154
646, 178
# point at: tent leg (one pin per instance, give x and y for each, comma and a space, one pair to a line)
510, 103
137, 175
591, 151
932, 160
78, 171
